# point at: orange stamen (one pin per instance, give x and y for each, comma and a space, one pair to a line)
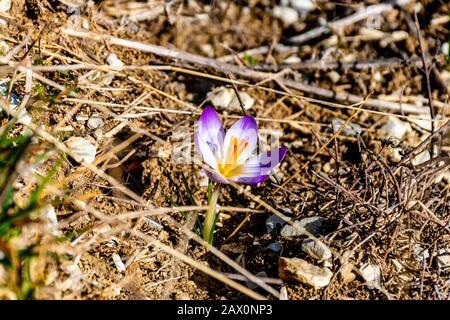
235, 149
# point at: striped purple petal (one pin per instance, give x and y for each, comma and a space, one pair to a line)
209, 136
259, 167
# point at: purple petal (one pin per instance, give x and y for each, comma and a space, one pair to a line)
245, 130
208, 136
259, 167
217, 177
271, 159
253, 180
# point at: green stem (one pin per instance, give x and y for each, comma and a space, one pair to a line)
210, 217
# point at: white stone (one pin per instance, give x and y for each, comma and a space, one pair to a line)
82, 150
79, 205
85, 24
114, 62
303, 5
445, 48
423, 123
120, 266
316, 249
98, 134
419, 253
283, 294
5, 5
300, 270
226, 98
378, 77
95, 122
371, 273
334, 76
207, 49
81, 117
221, 98
422, 157
443, 261
394, 127
327, 264
311, 224
292, 59
247, 102
286, 14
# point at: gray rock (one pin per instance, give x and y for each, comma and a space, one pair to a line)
273, 221
311, 224
371, 273
95, 122
83, 151
275, 246
302, 271
226, 98
316, 249
346, 274
351, 129
419, 253
443, 262
395, 127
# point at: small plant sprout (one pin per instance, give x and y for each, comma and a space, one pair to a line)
231, 156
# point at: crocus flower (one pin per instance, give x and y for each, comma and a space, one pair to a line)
231, 156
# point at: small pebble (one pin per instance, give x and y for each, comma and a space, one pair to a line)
443, 262
5, 5
273, 222
82, 150
292, 60
302, 271
95, 122
422, 157
371, 273
286, 14
445, 49
311, 224
303, 6
419, 253
120, 266
395, 127
351, 129
226, 98
114, 62
316, 249
346, 274
334, 76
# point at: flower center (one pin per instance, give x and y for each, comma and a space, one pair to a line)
230, 167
